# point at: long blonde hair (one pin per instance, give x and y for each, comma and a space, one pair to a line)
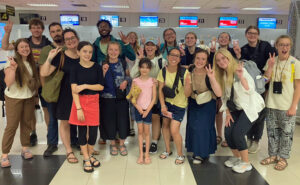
229, 72
136, 45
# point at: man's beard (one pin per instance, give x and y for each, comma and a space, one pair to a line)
58, 40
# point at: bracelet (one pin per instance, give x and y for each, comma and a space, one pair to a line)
79, 108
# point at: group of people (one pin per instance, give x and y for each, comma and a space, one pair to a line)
85, 85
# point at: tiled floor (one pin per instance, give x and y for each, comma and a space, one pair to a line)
121, 170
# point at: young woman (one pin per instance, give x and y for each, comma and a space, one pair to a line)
22, 82
200, 129
242, 105
170, 42
85, 108
151, 51
114, 113
64, 103
173, 108
143, 107
281, 102
190, 49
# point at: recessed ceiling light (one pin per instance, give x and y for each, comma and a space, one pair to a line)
186, 7
256, 9
114, 6
42, 4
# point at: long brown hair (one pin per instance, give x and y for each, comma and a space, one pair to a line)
23, 76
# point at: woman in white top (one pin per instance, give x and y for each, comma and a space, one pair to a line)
241, 103
21, 79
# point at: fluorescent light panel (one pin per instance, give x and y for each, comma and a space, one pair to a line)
114, 6
186, 7
262, 9
42, 4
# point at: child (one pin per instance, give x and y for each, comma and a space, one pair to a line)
143, 107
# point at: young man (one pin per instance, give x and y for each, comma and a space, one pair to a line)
36, 41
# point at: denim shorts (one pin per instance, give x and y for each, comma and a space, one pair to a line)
177, 112
139, 119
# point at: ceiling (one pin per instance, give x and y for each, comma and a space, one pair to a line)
158, 6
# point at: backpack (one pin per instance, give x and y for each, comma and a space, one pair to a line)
160, 63
257, 76
181, 76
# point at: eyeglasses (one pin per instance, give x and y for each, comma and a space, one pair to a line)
252, 33
69, 39
174, 55
169, 34
284, 45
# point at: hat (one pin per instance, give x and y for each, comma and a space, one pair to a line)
154, 41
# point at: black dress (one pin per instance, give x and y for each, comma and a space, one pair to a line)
65, 98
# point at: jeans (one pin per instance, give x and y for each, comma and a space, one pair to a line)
52, 135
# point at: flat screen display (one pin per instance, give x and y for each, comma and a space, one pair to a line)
266, 23
26, 17
69, 19
1, 32
113, 19
148, 21
188, 21
228, 22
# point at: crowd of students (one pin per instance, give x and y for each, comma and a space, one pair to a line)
85, 85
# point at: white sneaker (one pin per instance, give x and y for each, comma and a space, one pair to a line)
232, 161
249, 143
254, 147
242, 167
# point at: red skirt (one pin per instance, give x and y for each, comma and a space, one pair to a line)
90, 107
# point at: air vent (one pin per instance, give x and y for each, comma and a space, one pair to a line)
79, 5
221, 7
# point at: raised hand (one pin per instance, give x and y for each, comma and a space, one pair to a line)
53, 53
236, 48
213, 48
209, 71
182, 52
124, 38
271, 60
239, 70
13, 64
143, 39
141, 53
8, 26
105, 68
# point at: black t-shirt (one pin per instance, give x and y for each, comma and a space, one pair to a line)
188, 58
212, 54
91, 76
258, 54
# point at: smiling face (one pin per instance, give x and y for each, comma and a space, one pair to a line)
190, 40
86, 53
113, 51
224, 39
104, 29
200, 60
23, 49
170, 36
283, 47
132, 38
150, 49
174, 57
71, 41
36, 31
252, 35
56, 33
144, 70
222, 61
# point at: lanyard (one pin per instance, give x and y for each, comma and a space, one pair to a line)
281, 70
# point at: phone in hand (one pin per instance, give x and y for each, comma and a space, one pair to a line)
168, 115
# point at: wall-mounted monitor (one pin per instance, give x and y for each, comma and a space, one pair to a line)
69, 19
188, 21
228, 22
26, 17
148, 21
266, 23
1, 32
113, 19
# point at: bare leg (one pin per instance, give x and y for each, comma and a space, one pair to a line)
140, 139
166, 133
155, 126
244, 155
175, 131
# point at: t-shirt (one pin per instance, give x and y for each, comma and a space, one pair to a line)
145, 96
179, 100
188, 58
36, 49
15, 91
165, 51
290, 71
79, 76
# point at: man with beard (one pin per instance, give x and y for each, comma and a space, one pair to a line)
55, 30
36, 41
100, 45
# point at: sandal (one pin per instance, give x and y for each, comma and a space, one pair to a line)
219, 140
113, 150
71, 159
5, 162
26, 154
95, 152
179, 160
165, 155
123, 152
87, 167
95, 162
281, 164
147, 160
224, 144
269, 160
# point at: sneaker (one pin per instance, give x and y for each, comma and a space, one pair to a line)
249, 143
232, 161
197, 160
50, 150
144, 147
33, 139
153, 148
242, 167
254, 147
132, 132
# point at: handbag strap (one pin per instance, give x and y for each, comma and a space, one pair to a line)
175, 84
61, 62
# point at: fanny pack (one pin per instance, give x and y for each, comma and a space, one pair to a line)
171, 92
204, 97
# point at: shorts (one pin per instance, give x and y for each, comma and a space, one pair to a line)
139, 119
177, 112
156, 108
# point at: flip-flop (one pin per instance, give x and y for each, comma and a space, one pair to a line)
165, 155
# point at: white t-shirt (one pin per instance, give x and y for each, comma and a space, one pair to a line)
15, 91
290, 70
